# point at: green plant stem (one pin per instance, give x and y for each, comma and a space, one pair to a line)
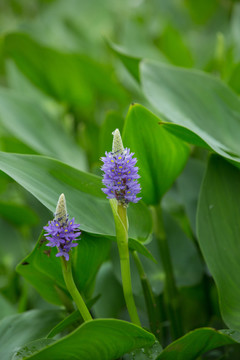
68, 278
171, 295
150, 301
122, 241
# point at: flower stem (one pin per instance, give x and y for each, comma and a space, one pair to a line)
171, 295
150, 301
121, 223
68, 278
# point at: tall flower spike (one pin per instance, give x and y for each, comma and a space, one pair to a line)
120, 173
61, 232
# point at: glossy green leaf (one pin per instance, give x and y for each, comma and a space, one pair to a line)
201, 103
17, 330
197, 343
218, 229
161, 156
43, 270
99, 340
46, 178
29, 122
73, 78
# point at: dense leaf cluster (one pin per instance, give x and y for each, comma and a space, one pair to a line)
166, 73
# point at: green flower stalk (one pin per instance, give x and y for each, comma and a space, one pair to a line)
121, 181
61, 232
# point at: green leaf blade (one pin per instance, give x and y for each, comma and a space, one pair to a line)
218, 230
102, 339
161, 156
195, 344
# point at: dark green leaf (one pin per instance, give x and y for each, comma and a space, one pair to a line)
196, 343
98, 340
161, 156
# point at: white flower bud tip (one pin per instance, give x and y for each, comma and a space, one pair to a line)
117, 146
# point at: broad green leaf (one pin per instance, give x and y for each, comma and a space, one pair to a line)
43, 270
46, 179
75, 79
161, 156
101, 339
19, 329
197, 343
218, 230
29, 122
196, 101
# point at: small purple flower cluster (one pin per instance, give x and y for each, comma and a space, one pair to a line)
120, 176
62, 235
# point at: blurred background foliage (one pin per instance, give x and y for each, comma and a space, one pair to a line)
62, 93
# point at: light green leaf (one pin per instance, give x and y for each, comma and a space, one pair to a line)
161, 156
75, 79
17, 330
29, 122
197, 343
195, 101
218, 230
102, 339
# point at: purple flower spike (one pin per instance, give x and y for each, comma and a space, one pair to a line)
120, 173
61, 232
